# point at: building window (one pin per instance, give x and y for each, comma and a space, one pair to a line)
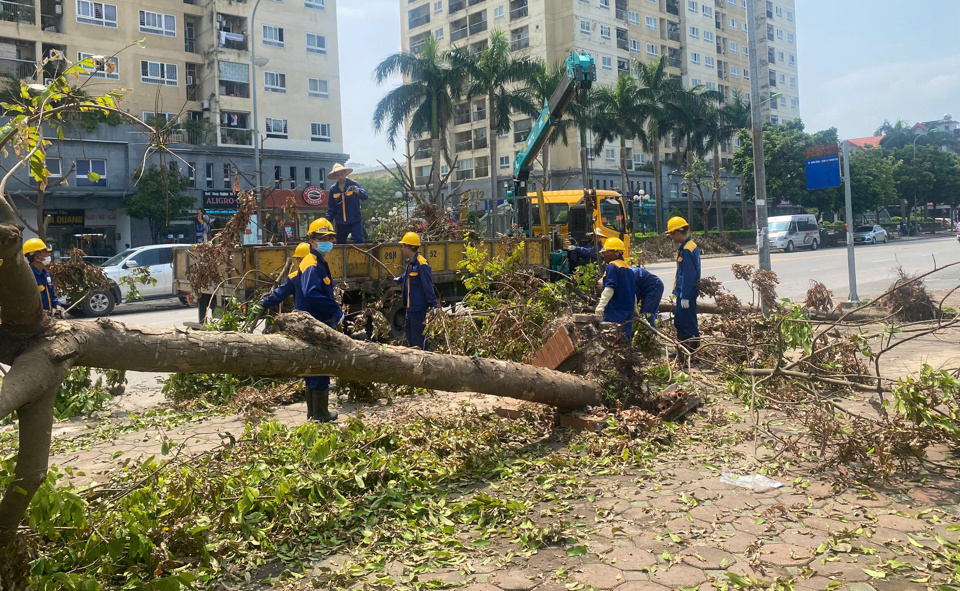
437, 7
774, 119
320, 132
275, 82
604, 32
318, 88
746, 74
158, 24
743, 26
695, 32
780, 56
102, 67
192, 174
709, 62
316, 43
504, 162
306, 175
521, 129
277, 128
707, 10
158, 73
790, 15
498, 12
794, 103
273, 35
779, 33
793, 81
779, 12
694, 58
605, 4
734, 48
633, 17
793, 60
226, 177
735, 71
585, 26
692, 6
744, 49
635, 45
651, 23
54, 167
790, 37
318, 4
438, 34
610, 154
277, 176
606, 62
708, 36
97, 13
653, 50
91, 173
694, 82
293, 177
209, 175
158, 120
782, 79
733, 24
711, 85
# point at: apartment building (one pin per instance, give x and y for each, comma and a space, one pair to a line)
704, 42
195, 64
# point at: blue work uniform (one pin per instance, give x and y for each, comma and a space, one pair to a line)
582, 255
48, 295
343, 210
649, 293
202, 230
621, 307
685, 288
418, 297
312, 288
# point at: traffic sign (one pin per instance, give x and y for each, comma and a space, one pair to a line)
823, 172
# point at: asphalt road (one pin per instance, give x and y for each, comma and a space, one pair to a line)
876, 268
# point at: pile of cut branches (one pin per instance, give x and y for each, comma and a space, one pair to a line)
75, 277
208, 267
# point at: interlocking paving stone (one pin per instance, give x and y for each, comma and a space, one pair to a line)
897, 522
786, 554
678, 575
631, 558
599, 576
516, 580
706, 557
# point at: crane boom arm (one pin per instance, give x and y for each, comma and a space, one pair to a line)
579, 77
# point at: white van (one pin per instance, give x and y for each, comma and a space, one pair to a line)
790, 232
158, 258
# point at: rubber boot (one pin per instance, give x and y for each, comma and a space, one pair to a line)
321, 411
308, 395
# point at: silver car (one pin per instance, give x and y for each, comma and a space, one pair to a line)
869, 235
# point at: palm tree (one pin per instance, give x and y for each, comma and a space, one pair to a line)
659, 91
424, 100
619, 113
691, 119
499, 76
895, 135
540, 89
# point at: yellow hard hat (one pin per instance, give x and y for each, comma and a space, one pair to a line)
33, 245
303, 249
410, 239
613, 244
675, 223
321, 226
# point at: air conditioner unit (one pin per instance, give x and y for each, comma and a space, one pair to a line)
206, 104
58, 9
47, 81
189, 80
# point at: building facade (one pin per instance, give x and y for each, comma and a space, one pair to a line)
705, 43
195, 66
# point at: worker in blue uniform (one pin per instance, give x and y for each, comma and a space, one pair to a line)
583, 255
418, 292
649, 294
343, 204
685, 285
38, 255
311, 285
618, 300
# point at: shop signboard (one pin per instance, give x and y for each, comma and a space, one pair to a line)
100, 218
220, 202
66, 217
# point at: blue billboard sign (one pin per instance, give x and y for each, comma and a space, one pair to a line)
823, 172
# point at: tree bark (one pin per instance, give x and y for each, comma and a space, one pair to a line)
493, 165
657, 180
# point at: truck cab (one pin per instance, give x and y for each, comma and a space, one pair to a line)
577, 213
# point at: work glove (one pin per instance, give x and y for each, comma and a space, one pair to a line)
340, 320
58, 313
605, 298
571, 248
685, 304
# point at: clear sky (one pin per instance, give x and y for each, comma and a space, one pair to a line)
861, 61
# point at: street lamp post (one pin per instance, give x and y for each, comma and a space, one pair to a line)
258, 168
756, 129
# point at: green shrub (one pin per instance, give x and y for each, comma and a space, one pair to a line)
731, 220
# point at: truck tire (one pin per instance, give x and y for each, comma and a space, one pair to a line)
789, 247
187, 300
397, 317
815, 245
98, 303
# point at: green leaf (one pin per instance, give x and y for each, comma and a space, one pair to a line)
737, 580
577, 551
93, 177
876, 574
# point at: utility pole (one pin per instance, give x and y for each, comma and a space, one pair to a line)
756, 129
851, 258
258, 173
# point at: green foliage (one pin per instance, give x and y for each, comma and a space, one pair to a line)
931, 398
285, 493
160, 197
731, 220
382, 191
931, 176
80, 396
133, 280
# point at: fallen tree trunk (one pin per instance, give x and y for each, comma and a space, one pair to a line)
710, 308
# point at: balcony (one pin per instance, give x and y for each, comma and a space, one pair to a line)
673, 7
23, 11
461, 117
234, 136
518, 10
228, 40
464, 146
519, 43
623, 44
235, 89
465, 175
621, 15
475, 2
421, 180
19, 69
479, 114
419, 21
457, 6
481, 171
480, 144
458, 33
478, 27
422, 150
673, 31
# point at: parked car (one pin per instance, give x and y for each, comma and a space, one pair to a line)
158, 259
96, 261
869, 235
789, 232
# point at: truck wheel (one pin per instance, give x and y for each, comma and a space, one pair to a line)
789, 247
397, 317
187, 301
98, 303
815, 245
